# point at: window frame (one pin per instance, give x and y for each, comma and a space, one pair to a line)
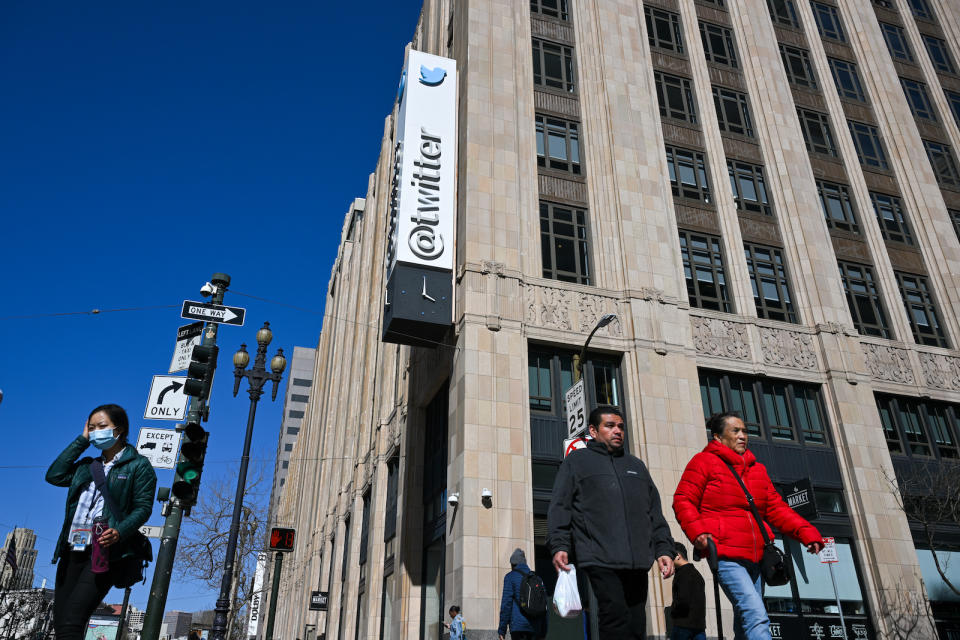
853, 275
666, 100
943, 163
955, 219
939, 54
718, 34
671, 22
569, 131
866, 131
817, 123
890, 412
791, 57
778, 275
953, 99
580, 239
921, 9
561, 13
897, 44
896, 226
738, 171
918, 99
840, 193
567, 82
702, 259
695, 162
852, 89
728, 102
785, 14
835, 31
936, 336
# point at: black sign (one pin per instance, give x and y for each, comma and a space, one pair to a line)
318, 600
799, 497
213, 313
281, 539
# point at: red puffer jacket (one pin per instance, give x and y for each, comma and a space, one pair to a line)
709, 500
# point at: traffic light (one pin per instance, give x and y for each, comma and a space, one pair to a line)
203, 362
189, 469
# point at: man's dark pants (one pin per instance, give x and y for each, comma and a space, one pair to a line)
622, 600
77, 594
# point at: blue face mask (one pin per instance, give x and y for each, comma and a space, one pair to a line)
103, 439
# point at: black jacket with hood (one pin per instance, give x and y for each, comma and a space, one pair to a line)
605, 511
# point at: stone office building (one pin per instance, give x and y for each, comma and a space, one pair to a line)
765, 192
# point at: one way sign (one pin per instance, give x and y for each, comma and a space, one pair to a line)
213, 313
167, 400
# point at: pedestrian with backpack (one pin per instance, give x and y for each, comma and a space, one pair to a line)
524, 605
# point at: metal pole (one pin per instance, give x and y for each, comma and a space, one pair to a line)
277, 564
163, 568
218, 632
121, 632
836, 594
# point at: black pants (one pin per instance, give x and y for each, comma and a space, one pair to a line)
78, 593
622, 600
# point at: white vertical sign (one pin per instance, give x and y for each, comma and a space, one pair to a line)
425, 159
256, 602
576, 409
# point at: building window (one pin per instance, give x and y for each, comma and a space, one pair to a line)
796, 62
663, 29
863, 299
563, 240
552, 8
920, 9
296, 397
828, 21
718, 44
771, 287
292, 431
302, 382
896, 41
866, 139
909, 423
288, 446
885, 4
921, 309
837, 206
286, 464
558, 144
894, 224
783, 12
390, 509
917, 98
703, 269
939, 54
688, 174
553, 66
955, 219
675, 96
953, 99
847, 79
817, 133
293, 413
538, 375
749, 188
771, 409
944, 166
733, 111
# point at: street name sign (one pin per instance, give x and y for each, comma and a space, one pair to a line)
828, 555
152, 530
213, 313
576, 409
159, 446
188, 336
167, 400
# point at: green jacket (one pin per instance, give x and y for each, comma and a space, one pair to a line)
131, 482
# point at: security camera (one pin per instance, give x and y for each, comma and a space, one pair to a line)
453, 499
208, 290
486, 493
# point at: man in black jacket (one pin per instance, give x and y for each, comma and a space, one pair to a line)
605, 510
689, 609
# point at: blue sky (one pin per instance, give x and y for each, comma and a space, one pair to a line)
146, 146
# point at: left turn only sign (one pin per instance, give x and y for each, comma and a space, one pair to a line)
167, 400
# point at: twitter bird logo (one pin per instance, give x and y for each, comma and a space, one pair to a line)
432, 77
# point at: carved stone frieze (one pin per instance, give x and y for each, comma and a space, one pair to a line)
555, 308
786, 348
940, 371
722, 338
888, 363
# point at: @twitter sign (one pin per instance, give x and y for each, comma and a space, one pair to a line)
422, 209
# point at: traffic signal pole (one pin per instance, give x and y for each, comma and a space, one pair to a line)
277, 567
163, 567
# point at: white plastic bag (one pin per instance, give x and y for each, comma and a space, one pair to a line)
566, 598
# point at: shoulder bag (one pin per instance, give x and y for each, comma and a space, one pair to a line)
129, 570
773, 564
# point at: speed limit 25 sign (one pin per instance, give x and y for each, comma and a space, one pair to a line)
576, 409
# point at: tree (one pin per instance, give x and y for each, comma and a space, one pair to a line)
26, 614
203, 542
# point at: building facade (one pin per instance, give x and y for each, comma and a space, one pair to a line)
766, 193
26, 553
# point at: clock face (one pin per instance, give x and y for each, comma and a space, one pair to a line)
418, 308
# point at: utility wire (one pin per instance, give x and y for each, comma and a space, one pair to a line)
91, 312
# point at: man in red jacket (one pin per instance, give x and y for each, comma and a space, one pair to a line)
710, 505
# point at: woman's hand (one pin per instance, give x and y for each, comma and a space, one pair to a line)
109, 537
815, 547
701, 542
86, 430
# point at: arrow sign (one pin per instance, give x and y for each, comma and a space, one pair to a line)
166, 401
213, 313
174, 386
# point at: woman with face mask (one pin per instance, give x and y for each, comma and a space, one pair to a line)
83, 574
